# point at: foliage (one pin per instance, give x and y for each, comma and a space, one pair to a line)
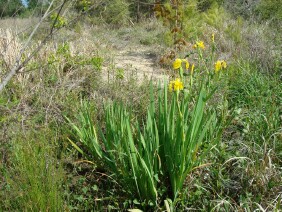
83, 5
172, 15
204, 5
241, 8
10, 8
35, 3
270, 10
141, 9
259, 10
58, 20
116, 12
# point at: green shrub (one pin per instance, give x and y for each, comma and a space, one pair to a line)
115, 12
241, 7
204, 5
270, 10
141, 9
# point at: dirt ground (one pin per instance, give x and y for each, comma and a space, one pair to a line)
121, 49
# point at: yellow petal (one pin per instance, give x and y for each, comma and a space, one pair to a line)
192, 69
217, 66
170, 87
223, 64
201, 44
178, 85
177, 64
186, 64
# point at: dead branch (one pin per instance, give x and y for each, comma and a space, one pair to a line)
18, 65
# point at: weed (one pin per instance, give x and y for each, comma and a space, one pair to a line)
34, 178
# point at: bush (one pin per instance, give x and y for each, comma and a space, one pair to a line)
269, 10
115, 12
204, 5
241, 7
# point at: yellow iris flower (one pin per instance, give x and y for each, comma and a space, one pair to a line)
217, 66
170, 86
223, 64
220, 64
176, 85
178, 63
192, 69
199, 44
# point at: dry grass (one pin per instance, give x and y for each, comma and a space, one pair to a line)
18, 25
10, 47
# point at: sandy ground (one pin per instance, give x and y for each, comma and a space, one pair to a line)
121, 52
140, 62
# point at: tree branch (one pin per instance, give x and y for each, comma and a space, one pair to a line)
18, 64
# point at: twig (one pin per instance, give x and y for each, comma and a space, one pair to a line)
18, 65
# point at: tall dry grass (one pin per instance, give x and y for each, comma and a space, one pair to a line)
10, 47
18, 24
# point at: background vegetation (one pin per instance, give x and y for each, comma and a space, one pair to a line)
92, 73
